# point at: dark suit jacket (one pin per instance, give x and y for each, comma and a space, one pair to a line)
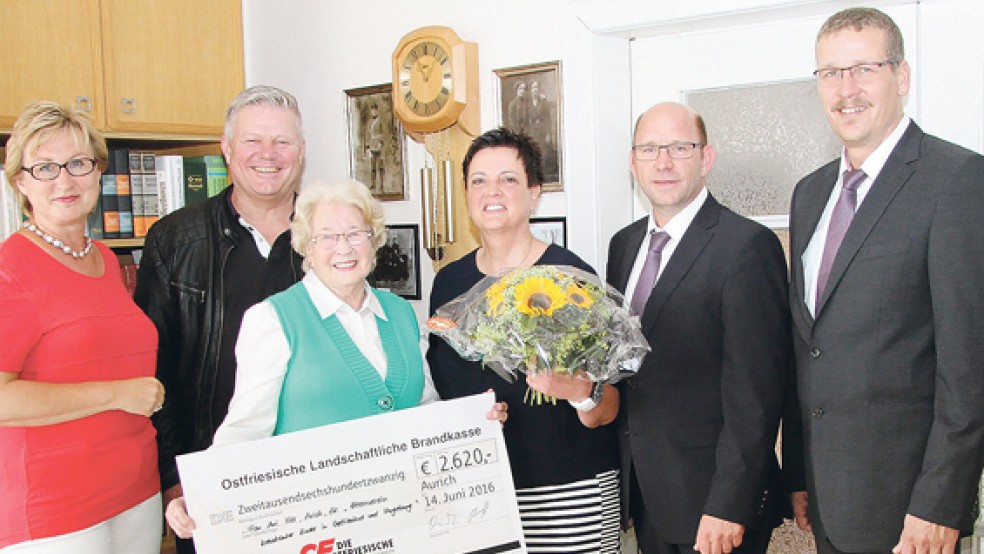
699, 421
890, 374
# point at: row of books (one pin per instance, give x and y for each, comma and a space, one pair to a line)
139, 187
10, 218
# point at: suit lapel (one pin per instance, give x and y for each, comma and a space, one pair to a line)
627, 252
890, 180
684, 257
814, 195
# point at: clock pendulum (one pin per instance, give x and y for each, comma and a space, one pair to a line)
435, 96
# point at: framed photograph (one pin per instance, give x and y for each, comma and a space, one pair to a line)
377, 149
398, 262
530, 101
550, 229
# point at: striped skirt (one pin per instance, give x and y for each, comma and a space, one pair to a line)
572, 518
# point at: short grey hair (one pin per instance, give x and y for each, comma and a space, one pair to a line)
858, 19
261, 95
346, 193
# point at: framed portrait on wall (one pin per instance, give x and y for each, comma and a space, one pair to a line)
530, 101
397, 262
550, 230
377, 149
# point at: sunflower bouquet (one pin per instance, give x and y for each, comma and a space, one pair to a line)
541, 318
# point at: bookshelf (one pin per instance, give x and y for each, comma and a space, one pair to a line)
137, 68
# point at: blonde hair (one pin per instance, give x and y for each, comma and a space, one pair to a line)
860, 18
37, 124
347, 193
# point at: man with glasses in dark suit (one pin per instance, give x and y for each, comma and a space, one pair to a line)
887, 265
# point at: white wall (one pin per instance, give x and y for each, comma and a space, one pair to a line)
945, 98
618, 57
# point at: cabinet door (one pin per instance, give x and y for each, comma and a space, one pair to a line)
50, 51
171, 66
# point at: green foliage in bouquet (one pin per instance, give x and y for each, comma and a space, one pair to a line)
544, 318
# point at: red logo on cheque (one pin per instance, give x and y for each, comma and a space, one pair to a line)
324, 547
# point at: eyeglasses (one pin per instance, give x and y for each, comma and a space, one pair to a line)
329, 241
675, 150
48, 171
862, 73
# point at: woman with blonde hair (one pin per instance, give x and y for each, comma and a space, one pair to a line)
77, 387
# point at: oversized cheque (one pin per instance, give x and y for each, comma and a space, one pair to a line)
430, 479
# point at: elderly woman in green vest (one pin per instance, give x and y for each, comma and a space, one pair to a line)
330, 348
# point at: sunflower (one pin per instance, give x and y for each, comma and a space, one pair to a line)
537, 296
579, 296
495, 296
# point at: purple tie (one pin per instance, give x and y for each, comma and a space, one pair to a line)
647, 277
840, 220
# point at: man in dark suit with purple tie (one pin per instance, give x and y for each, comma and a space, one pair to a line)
887, 299
699, 421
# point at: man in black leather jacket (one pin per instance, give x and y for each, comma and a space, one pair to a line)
205, 264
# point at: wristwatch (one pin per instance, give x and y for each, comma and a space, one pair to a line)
591, 402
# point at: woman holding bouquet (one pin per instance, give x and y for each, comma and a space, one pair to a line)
563, 455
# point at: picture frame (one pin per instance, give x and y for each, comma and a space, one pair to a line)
530, 100
398, 262
550, 230
377, 143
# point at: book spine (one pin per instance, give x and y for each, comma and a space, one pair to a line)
110, 206
123, 191
217, 176
10, 215
151, 205
136, 194
115, 184
195, 176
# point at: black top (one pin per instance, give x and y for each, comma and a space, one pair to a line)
249, 278
547, 444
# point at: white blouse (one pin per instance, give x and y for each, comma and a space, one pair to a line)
262, 353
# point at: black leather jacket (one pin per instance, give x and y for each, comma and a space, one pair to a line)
179, 286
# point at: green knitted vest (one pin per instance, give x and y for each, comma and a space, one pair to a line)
328, 379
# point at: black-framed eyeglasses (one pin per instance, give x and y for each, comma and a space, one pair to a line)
861, 73
330, 241
676, 150
48, 171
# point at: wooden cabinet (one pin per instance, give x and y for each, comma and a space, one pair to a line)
51, 51
171, 66
141, 67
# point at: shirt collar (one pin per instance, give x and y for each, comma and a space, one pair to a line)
875, 161
327, 303
678, 224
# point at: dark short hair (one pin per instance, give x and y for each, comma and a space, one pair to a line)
526, 149
858, 19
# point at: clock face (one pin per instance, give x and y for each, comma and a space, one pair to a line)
425, 79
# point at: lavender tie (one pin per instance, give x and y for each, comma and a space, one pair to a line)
647, 277
840, 220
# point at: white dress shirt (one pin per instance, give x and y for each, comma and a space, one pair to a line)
872, 166
676, 227
262, 353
